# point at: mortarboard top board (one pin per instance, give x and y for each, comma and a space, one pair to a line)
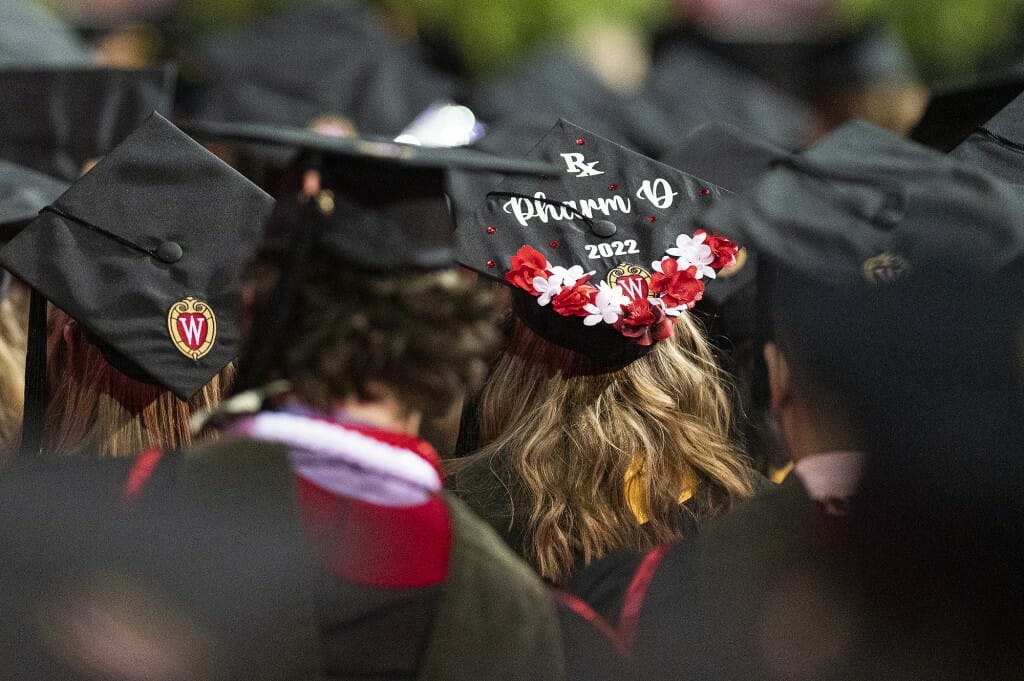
144, 251
204, 574
806, 63
865, 207
56, 119
692, 86
23, 193
382, 204
725, 155
608, 211
954, 113
349, 66
998, 145
31, 36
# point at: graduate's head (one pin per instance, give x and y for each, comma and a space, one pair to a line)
140, 260
355, 296
605, 376
851, 232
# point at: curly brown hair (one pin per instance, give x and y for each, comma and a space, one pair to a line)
427, 336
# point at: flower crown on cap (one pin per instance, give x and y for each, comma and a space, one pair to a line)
639, 306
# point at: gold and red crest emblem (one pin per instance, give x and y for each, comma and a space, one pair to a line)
634, 280
193, 327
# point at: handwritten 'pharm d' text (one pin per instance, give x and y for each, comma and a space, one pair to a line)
658, 193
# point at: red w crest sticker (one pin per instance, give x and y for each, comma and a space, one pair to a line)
193, 327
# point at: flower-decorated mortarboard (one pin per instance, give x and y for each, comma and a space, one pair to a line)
55, 120
378, 206
600, 254
144, 252
998, 145
866, 207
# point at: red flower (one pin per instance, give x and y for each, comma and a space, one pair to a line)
570, 301
527, 264
678, 288
644, 322
723, 249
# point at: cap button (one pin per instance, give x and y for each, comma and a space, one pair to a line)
169, 252
603, 228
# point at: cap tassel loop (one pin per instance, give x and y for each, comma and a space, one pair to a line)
35, 378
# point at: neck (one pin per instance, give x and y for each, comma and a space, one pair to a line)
386, 414
807, 432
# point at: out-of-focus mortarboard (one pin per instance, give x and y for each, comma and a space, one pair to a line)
196, 578
867, 207
599, 254
808, 64
998, 145
23, 193
144, 252
954, 113
380, 206
31, 36
348, 66
691, 86
55, 120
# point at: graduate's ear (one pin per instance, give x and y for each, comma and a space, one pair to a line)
778, 376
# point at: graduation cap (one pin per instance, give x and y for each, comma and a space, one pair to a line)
865, 207
804, 64
348, 66
691, 85
998, 145
54, 120
380, 207
31, 36
23, 193
207, 575
954, 113
144, 251
599, 255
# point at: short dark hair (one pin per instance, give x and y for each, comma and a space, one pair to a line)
427, 336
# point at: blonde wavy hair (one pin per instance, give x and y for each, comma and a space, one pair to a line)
94, 409
13, 339
662, 421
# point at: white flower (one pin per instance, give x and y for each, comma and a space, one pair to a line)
548, 288
569, 276
607, 305
691, 251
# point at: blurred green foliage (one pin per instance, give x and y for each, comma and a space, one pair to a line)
950, 39
490, 32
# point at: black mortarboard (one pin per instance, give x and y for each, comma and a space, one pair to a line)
144, 252
556, 84
866, 206
954, 113
724, 154
348, 65
692, 86
31, 36
23, 193
55, 120
998, 145
206, 574
806, 64
380, 207
608, 211
381, 204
